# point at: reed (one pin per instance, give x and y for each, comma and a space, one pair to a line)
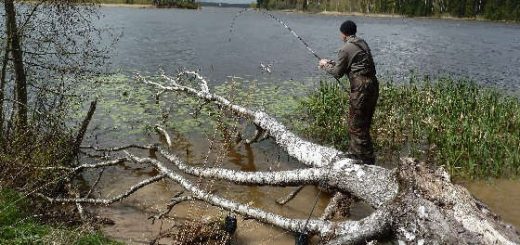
473, 131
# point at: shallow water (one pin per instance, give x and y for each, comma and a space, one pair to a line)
501, 195
170, 39
131, 215
133, 226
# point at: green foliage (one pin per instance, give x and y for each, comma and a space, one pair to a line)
489, 9
95, 239
325, 111
9, 213
473, 131
18, 227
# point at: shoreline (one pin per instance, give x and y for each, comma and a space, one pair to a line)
338, 13
385, 15
126, 5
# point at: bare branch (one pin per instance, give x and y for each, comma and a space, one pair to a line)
165, 134
121, 148
108, 201
290, 196
174, 201
86, 166
279, 178
338, 202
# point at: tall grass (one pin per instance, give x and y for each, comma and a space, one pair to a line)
471, 130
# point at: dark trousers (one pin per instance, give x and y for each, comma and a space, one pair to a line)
364, 92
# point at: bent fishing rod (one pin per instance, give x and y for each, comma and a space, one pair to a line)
302, 235
288, 28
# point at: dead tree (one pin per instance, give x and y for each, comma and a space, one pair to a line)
414, 203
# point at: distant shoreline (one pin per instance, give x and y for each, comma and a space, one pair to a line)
127, 5
384, 15
332, 13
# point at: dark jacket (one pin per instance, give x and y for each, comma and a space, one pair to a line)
354, 59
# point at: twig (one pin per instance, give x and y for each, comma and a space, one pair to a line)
119, 197
174, 201
95, 182
81, 133
259, 135
165, 134
121, 148
81, 211
290, 196
85, 166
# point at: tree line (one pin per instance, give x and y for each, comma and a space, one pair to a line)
488, 9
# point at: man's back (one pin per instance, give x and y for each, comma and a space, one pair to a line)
359, 57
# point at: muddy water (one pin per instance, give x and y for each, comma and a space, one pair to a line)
131, 215
501, 196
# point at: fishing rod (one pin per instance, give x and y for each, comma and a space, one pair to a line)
302, 237
265, 13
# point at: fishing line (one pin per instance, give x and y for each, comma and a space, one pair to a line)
265, 13
288, 28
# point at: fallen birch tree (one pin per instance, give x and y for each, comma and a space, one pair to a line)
414, 203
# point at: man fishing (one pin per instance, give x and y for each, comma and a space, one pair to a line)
355, 60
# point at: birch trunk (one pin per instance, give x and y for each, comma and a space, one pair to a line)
413, 204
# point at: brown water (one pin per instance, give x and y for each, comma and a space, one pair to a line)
501, 195
131, 215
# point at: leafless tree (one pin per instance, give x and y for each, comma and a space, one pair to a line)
48, 45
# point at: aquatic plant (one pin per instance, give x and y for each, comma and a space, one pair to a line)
473, 131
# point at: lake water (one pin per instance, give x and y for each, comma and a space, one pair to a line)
170, 39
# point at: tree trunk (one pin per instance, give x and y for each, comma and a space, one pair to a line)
413, 204
19, 69
3, 74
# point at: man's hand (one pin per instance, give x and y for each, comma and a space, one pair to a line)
324, 62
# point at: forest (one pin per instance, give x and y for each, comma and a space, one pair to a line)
482, 9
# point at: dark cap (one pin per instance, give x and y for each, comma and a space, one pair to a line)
348, 28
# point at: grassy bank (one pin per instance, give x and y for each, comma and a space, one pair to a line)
473, 131
18, 226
